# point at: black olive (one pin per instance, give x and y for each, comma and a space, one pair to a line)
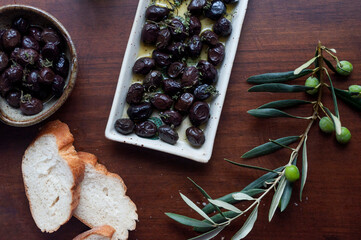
4, 61
153, 80
21, 24
195, 26
49, 35
171, 87
176, 69
46, 76
161, 59
143, 65
195, 136
11, 38
27, 57
195, 46
168, 135
146, 129
199, 113
32, 81
223, 27
184, 102
202, 92
216, 54
31, 107
5, 85
171, 118
58, 85
161, 101
190, 77
150, 33
124, 126
196, 6
14, 73
209, 37
208, 72
135, 93
156, 13
15, 54
163, 39
61, 66
50, 51
44, 93
177, 29
177, 50
13, 99
216, 10
35, 32
30, 42
140, 112
2, 31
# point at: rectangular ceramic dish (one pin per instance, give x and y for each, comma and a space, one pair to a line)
182, 147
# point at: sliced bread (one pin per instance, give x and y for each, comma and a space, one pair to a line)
103, 200
52, 172
104, 232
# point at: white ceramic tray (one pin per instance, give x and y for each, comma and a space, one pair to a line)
182, 147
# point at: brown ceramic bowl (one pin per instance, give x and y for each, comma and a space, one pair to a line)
35, 16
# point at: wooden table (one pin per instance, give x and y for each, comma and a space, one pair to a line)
277, 35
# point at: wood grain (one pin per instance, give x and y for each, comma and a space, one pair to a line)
277, 35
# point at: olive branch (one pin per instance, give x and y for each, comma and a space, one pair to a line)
278, 181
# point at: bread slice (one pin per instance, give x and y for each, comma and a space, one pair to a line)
103, 200
104, 232
52, 172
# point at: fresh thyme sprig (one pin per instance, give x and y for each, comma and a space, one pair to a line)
166, 23
278, 181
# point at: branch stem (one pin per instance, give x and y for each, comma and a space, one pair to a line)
295, 152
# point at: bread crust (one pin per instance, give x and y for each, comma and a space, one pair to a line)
64, 140
105, 231
89, 158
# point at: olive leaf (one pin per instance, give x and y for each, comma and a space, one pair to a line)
247, 226
277, 77
270, 147
330, 66
335, 120
333, 95
252, 190
225, 205
251, 166
195, 208
259, 182
276, 197
271, 113
205, 194
188, 221
218, 218
305, 65
347, 97
242, 196
209, 235
332, 50
279, 87
304, 167
286, 196
284, 103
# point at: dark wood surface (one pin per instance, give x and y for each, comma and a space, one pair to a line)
277, 35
